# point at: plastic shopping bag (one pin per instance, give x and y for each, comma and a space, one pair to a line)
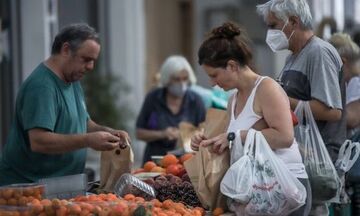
348, 154
237, 181
324, 180
275, 190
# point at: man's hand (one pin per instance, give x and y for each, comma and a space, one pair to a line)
196, 139
102, 141
123, 135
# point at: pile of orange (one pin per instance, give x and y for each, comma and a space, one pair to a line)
169, 164
105, 204
169, 159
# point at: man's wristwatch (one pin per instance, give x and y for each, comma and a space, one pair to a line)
230, 138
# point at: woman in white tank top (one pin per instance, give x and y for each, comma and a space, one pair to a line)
258, 103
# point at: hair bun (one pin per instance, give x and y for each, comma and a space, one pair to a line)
228, 30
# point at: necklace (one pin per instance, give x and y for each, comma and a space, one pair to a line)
291, 60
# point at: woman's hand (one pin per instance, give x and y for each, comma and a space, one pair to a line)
171, 133
219, 143
196, 139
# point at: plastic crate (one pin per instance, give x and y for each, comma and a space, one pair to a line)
6, 210
21, 194
65, 187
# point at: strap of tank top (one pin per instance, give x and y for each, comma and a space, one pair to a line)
251, 97
253, 92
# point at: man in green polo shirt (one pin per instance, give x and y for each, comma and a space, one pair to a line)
52, 128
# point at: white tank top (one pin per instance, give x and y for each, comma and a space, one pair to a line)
247, 118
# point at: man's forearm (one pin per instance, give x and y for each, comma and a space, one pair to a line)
93, 127
52, 143
319, 110
149, 135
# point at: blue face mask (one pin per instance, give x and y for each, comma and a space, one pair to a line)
178, 89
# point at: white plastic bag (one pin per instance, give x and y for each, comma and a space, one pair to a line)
348, 154
237, 181
275, 190
263, 186
324, 180
237, 150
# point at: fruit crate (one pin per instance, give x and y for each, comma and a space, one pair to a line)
21, 194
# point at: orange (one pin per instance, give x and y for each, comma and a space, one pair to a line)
168, 204
156, 203
129, 197
3, 201
7, 193
12, 201
200, 210
139, 200
218, 211
74, 209
149, 165
168, 160
185, 157
173, 169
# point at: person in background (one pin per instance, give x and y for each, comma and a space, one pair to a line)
350, 56
166, 106
227, 59
311, 72
52, 128
215, 97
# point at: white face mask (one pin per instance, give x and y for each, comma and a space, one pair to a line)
178, 89
277, 40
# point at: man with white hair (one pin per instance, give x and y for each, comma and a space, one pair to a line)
311, 72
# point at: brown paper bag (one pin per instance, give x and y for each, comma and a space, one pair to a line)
113, 164
206, 169
187, 130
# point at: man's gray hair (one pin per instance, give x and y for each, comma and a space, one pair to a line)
74, 34
283, 9
173, 65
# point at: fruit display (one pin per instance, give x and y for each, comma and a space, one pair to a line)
174, 192
102, 205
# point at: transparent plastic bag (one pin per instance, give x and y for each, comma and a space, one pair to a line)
324, 180
259, 183
348, 155
275, 190
237, 181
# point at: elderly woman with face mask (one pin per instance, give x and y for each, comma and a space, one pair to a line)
165, 107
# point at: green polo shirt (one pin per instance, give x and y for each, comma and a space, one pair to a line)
44, 101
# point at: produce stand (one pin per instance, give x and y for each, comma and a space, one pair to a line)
174, 196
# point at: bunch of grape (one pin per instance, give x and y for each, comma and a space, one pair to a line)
175, 188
